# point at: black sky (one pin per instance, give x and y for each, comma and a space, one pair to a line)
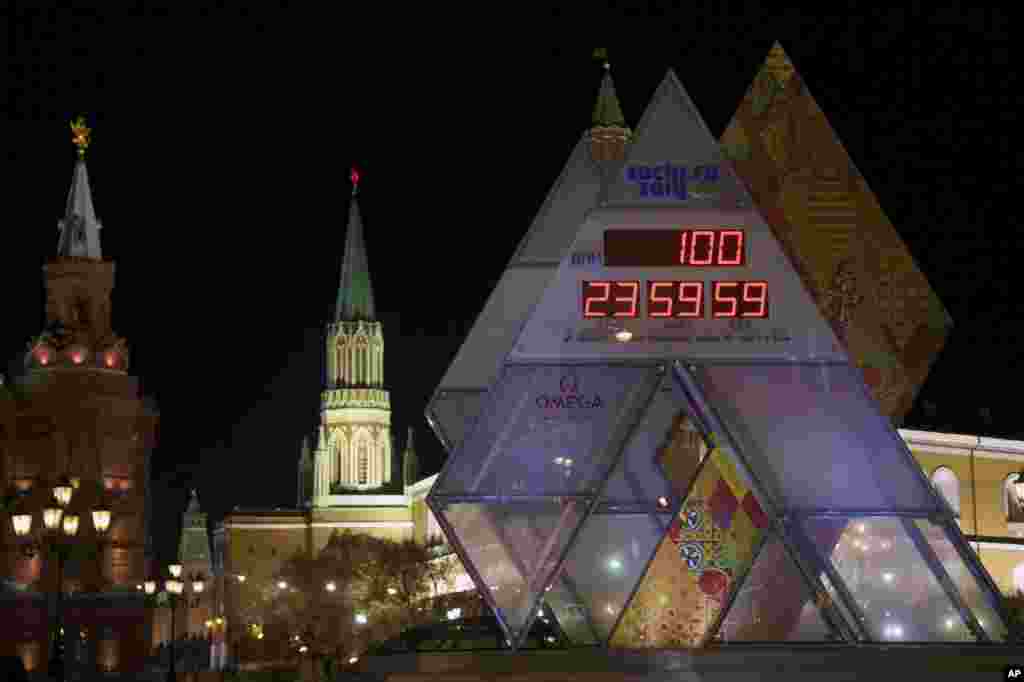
219, 168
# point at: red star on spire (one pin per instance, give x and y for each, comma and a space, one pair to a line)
354, 177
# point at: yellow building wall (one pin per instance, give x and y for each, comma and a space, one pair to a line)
981, 497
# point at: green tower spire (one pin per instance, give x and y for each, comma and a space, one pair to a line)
355, 295
607, 112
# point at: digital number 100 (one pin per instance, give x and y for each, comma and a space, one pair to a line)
675, 299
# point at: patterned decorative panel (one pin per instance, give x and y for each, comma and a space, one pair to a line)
836, 234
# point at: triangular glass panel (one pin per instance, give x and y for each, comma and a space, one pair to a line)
976, 596
549, 431
451, 414
709, 544
479, 359
514, 549
601, 570
774, 603
574, 193
892, 583
674, 159
813, 438
639, 480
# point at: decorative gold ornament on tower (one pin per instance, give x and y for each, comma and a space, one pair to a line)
80, 135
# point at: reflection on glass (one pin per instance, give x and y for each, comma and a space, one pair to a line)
813, 438
694, 569
652, 465
604, 563
515, 549
971, 591
774, 603
454, 412
548, 431
900, 597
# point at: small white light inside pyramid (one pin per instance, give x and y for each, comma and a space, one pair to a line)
949, 623
888, 577
623, 335
615, 564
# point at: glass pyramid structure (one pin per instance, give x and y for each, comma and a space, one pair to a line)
678, 452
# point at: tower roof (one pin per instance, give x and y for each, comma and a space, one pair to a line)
79, 228
607, 111
193, 504
355, 294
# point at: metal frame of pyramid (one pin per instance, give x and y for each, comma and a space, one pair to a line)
766, 533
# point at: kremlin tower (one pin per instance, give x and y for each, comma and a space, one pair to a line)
75, 414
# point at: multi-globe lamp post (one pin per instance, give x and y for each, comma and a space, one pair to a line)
174, 587
59, 530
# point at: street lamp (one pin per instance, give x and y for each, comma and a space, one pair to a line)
59, 530
173, 588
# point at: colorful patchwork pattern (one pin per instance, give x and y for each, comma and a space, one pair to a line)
709, 544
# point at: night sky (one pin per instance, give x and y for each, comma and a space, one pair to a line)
219, 169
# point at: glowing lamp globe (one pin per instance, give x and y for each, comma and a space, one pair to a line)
43, 356
330, 586
101, 519
22, 524
175, 570
70, 524
62, 491
110, 358
174, 586
149, 586
76, 357
282, 585
198, 584
51, 517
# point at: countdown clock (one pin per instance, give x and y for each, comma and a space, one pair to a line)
669, 283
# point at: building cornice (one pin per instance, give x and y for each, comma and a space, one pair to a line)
963, 445
317, 524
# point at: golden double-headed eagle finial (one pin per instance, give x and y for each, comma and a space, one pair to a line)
80, 135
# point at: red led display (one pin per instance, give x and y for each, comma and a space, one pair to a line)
610, 299
704, 247
739, 299
676, 299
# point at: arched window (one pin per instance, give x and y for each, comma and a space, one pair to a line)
363, 463
1018, 578
1012, 507
948, 485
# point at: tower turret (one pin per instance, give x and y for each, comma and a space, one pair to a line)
410, 463
78, 285
609, 134
355, 408
305, 474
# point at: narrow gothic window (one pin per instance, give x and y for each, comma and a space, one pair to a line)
364, 464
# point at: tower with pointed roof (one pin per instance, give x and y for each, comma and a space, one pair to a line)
410, 463
80, 414
194, 557
609, 134
353, 452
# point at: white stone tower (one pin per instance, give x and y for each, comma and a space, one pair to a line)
353, 451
